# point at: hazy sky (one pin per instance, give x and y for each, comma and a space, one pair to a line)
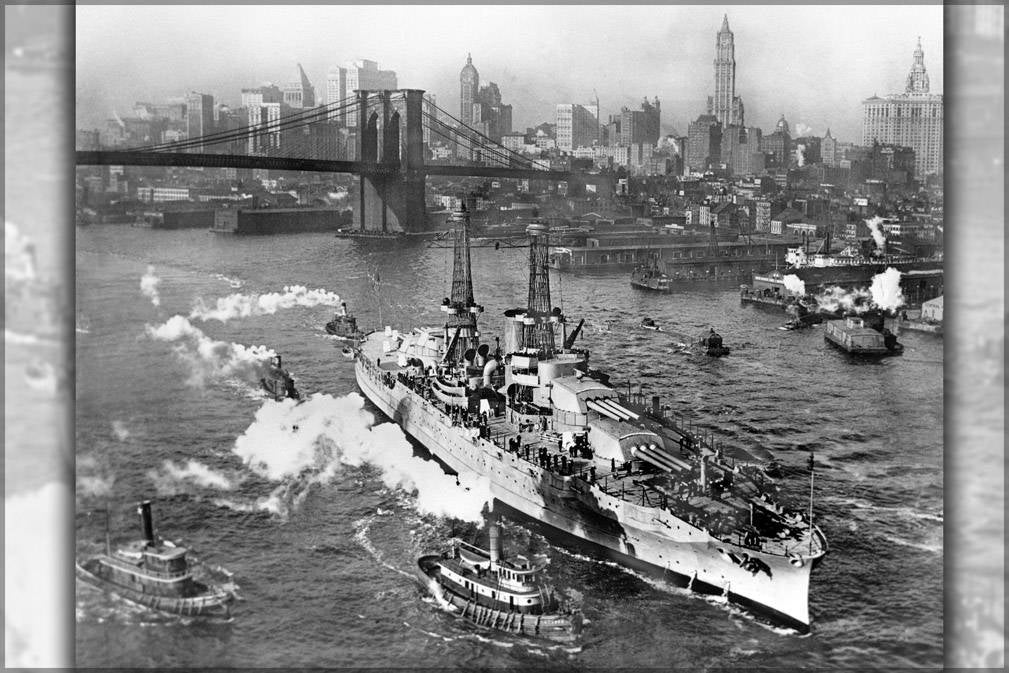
814, 64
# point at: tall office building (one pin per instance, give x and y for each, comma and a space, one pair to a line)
725, 105
828, 150
577, 126
341, 82
199, 116
911, 119
640, 126
469, 88
299, 94
778, 145
704, 141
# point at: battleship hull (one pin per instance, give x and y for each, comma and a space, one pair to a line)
637, 536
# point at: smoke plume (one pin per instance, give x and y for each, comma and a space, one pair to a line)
209, 359
794, 284
802, 129
149, 286
308, 442
839, 299
885, 290
245, 305
876, 229
171, 478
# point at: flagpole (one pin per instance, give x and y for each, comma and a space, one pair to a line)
811, 503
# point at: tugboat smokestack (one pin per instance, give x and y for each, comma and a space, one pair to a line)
495, 541
147, 521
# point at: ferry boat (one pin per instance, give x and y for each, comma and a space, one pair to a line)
155, 574
562, 447
279, 382
853, 336
344, 325
505, 594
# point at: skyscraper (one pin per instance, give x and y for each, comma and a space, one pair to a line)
469, 88
365, 75
299, 94
640, 126
704, 140
725, 105
577, 126
199, 116
911, 119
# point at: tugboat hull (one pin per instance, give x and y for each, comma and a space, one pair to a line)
556, 627
214, 604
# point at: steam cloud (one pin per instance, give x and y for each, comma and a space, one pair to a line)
170, 479
149, 286
308, 443
876, 230
803, 130
794, 284
883, 293
245, 305
209, 359
885, 290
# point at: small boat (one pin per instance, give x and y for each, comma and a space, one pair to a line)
279, 382
507, 595
648, 323
711, 343
853, 336
156, 574
344, 325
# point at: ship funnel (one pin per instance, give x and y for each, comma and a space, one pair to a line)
495, 541
146, 520
276, 361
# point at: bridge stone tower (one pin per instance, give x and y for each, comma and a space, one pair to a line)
391, 145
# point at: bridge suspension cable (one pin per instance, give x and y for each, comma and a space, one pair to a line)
284, 123
487, 141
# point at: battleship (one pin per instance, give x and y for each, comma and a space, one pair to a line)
564, 449
156, 574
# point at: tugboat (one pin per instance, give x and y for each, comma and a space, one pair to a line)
648, 323
156, 574
712, 344
490, 591
853, 336
279, 382
344, 325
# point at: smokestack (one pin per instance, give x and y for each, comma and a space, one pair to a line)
144, 510
655, 404
704, 472
495, 541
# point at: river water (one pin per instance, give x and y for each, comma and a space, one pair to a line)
323, 550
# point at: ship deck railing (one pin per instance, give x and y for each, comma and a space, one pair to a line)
137, 567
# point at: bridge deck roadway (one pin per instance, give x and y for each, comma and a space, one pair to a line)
208, 160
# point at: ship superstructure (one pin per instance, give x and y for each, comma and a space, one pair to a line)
563, 447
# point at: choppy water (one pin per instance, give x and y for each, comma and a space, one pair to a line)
329, 579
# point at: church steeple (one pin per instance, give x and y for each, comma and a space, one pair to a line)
725, 24
917, 79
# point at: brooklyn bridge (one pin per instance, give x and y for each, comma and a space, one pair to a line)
388, 154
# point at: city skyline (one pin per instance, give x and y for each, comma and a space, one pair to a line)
840, 56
